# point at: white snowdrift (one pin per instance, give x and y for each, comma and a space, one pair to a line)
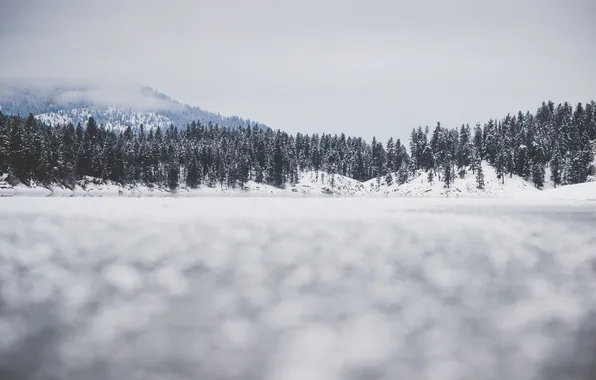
324, 183
582, 191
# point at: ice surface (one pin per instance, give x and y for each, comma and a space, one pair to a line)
293, 288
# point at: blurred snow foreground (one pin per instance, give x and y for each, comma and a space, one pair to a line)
257, 288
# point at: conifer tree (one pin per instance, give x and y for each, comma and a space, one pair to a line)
388, 178
479, 176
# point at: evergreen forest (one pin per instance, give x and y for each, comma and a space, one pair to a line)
556, 144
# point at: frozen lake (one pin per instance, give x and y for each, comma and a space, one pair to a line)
293, 289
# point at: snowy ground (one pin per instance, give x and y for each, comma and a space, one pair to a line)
272, 288
313, 184
420, 186
580, 191
309, 183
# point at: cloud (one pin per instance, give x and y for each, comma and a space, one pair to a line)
365, 68
66, 91
125, 96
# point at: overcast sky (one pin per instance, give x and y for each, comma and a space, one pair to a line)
376, 67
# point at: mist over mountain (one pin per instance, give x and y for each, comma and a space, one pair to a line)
114, 105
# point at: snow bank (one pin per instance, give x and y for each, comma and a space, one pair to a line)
33, 190
320, 183
5, 189
420, 186
309, 183
581, 191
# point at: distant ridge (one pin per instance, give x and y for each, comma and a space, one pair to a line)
113, 105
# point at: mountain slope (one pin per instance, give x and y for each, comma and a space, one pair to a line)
113, 105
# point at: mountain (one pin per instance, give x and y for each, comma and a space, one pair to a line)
115, 106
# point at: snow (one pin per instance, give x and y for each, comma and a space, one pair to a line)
124, 277
419, 186
314, 184
294, 288
325, 183
5, 189
581, 191
309, 184
112, 118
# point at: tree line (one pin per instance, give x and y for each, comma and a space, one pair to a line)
558, 141
196, 155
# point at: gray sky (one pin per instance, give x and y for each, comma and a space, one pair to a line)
376, 67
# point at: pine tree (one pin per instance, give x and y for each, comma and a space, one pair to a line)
259, 173
173, 177
192, 174
555, 168
243, 171
68, 155
464, 150
479, 176
391, 155
478, 143
388, 178
538, 174
403, 173
18, 163
4, 144
447, 175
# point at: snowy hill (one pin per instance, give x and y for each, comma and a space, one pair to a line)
419, 186
113, 105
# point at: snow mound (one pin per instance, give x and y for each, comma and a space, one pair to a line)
33, 190
420, 186
248, 189
313, 183
582, 191
310, 183
5, 189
